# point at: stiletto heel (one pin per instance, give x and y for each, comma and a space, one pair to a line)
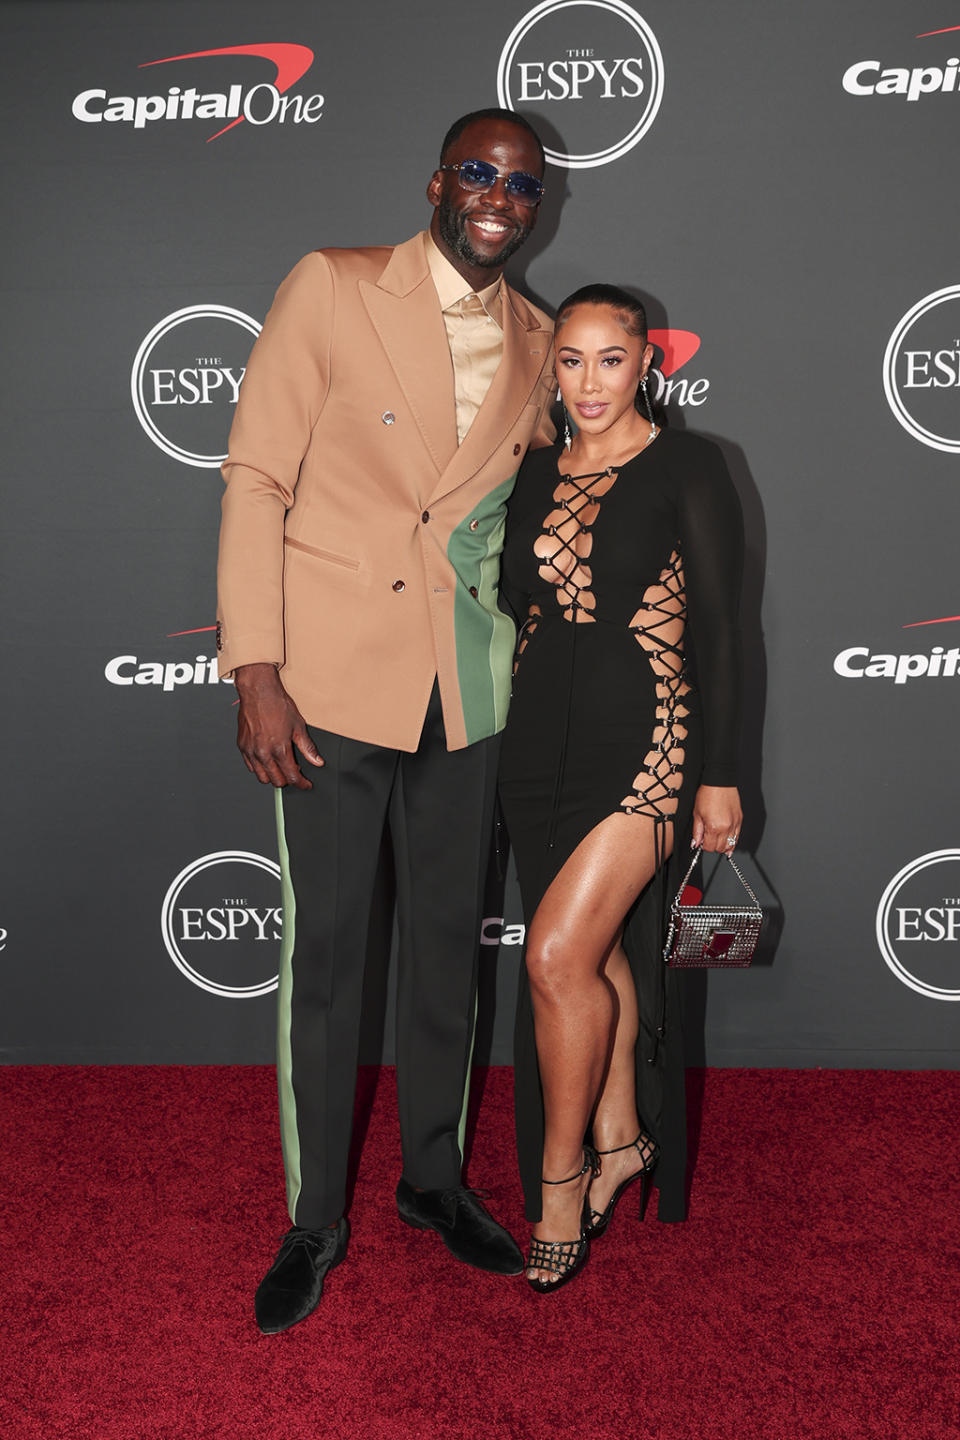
564, 1258
649, 1152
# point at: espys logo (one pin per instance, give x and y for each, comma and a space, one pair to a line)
265, 103
600, 51
870, 77
676, 348
921, 370
166, 675
939, 662
918, 924
222, 922
186, 379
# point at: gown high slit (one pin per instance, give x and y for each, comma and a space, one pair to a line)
625, 587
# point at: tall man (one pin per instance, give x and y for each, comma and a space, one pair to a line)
385, 410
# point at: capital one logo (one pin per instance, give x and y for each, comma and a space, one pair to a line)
921, 370
911, 82
186, 379
222, 922
265, 103
591, 70
167, 676
918, 925
937, 662
677, 347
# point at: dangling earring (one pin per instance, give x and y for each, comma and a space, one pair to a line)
567, 436
644, 390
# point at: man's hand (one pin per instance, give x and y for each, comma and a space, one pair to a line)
268, 727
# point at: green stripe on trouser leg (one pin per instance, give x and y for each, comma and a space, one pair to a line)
462, 1128
289, 1135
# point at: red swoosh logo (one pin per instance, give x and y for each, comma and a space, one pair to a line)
201, 631
678, 347
923, 35
946, 618
291, 62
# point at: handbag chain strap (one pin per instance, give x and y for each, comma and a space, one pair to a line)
736, 870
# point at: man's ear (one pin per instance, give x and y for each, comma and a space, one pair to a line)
435, 189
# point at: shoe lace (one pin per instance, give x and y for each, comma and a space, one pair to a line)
457, 1192
311, 1240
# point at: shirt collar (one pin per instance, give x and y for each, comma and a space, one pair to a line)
450, 285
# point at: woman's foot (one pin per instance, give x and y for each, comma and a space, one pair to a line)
620, 1165
558, 1248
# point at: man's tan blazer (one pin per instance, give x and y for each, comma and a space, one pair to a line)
359, 549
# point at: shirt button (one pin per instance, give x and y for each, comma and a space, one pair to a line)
388, 417
425, 517
516, 449
473, 591
398, 585
474, 524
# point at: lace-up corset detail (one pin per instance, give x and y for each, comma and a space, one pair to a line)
659, 627
566, 543
563, 551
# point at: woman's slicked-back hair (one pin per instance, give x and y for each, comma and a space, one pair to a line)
628, 310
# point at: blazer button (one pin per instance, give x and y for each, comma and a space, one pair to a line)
516, 449
473, 591
425, 517
388, 417
398, 585
474, 524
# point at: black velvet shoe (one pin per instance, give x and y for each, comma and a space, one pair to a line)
463, 1225
293, 1285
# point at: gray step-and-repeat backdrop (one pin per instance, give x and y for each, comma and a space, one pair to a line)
778, 180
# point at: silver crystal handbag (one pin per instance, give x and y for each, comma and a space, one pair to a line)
712, 934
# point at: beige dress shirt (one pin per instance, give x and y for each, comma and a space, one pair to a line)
473, 322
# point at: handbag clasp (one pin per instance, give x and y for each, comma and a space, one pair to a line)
718, 943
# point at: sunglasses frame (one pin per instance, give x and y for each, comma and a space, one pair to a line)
497, 175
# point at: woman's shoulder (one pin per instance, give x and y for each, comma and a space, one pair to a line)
539, 468
687, 446
540, 461
692, 461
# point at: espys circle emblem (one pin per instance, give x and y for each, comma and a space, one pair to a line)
920, 940
229, 921
921, 370
186, 379
598, 51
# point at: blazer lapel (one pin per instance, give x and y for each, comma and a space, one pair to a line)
403, 308
525, 346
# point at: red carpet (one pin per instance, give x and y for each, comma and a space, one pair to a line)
813, 1292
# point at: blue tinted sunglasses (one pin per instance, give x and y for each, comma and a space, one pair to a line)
479, 175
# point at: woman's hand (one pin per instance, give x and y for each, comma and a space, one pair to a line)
717, 818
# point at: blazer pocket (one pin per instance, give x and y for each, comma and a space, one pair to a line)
346, 561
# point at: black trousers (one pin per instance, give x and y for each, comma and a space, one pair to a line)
438, 805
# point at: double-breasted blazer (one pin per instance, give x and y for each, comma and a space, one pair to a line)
360, 545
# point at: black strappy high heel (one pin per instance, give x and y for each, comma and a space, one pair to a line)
649, 1152
564, 1258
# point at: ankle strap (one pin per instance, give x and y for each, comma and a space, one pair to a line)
634, 1145
590, 1162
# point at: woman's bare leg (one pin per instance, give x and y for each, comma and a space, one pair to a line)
581, 998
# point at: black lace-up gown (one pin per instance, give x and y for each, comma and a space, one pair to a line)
625, 586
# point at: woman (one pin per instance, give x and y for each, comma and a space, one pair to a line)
622, 564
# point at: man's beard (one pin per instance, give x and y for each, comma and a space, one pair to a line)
452, 224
